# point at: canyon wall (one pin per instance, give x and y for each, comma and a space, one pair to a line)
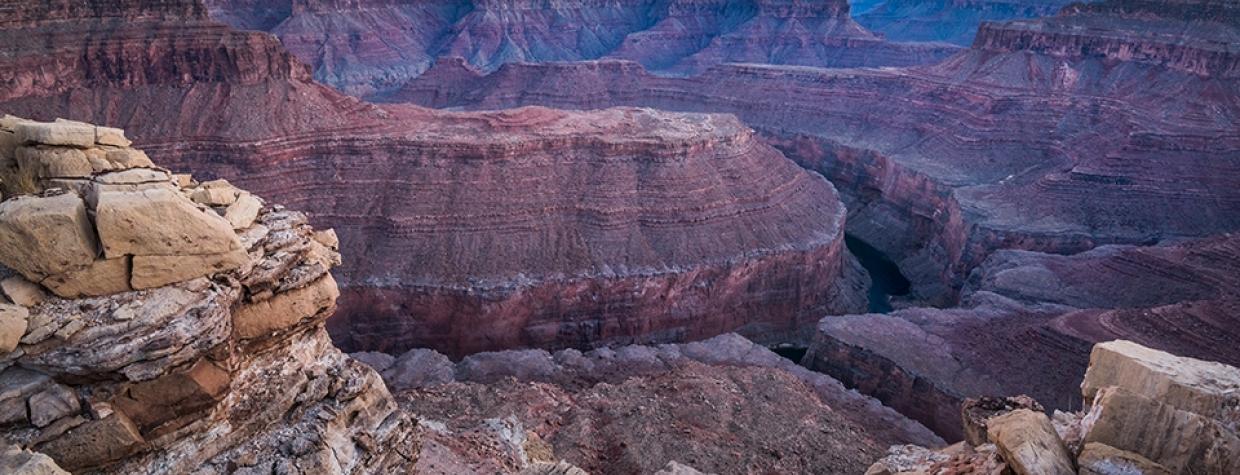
469, 231
372, 47
1004, 143
1028, 322
952, 21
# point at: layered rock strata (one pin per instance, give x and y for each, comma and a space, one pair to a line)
993, 148
551, 260
206, 368
1147, 412
952, 21
376, 45
1028, 322
720, 405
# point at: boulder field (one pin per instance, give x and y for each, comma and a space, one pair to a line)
465, 231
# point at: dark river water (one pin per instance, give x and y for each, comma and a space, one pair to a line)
885, 277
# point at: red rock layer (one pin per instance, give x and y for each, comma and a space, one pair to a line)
1004, 146
466, 232
1029, 322
376, 45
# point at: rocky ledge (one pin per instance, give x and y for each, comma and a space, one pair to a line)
722, 405
1147, 412
158, 325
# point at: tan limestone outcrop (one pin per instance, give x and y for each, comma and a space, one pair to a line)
1151, 413
90, 217
1206, 388
175, 339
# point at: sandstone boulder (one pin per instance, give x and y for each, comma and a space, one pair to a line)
16, 386
54, 402
976, 412
111, 136
1029, 444
44, 236
328, 238
94, 443
129, 158
1101, 459
53, 162
13, 321
152, 404
22, 292
61, 133
242, 213
216, 193
17, 461
157, 271
100, 277
285, 309
1181, 441
1203, 387
159, 222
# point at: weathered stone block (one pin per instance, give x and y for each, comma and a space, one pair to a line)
94, 443
16, 386
975, 413
1029, 444
13, 321
54, 402
129, 158
153, 403
101, 277
111, 136
242, 213
159, 222
216, 193
1206, 388
23, 292
157, 271
16, 461
1101, 459
1181, 441
328, 238
286, 309
53, 162
61, 133
42, 236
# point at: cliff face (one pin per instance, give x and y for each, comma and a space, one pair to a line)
1001, 145
952, 21
495, 230
1028, 323
210, 368
372, 47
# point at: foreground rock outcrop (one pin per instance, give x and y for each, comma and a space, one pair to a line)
722, 405
204, 352
1148, 412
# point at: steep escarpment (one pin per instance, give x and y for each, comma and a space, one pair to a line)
494, 230
1004, 144
648, 227
720, 405
177, 359
1028, 322
952, 21
375, 46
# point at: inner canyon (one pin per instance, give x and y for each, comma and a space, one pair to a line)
619, 236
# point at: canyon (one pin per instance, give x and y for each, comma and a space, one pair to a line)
572, 237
